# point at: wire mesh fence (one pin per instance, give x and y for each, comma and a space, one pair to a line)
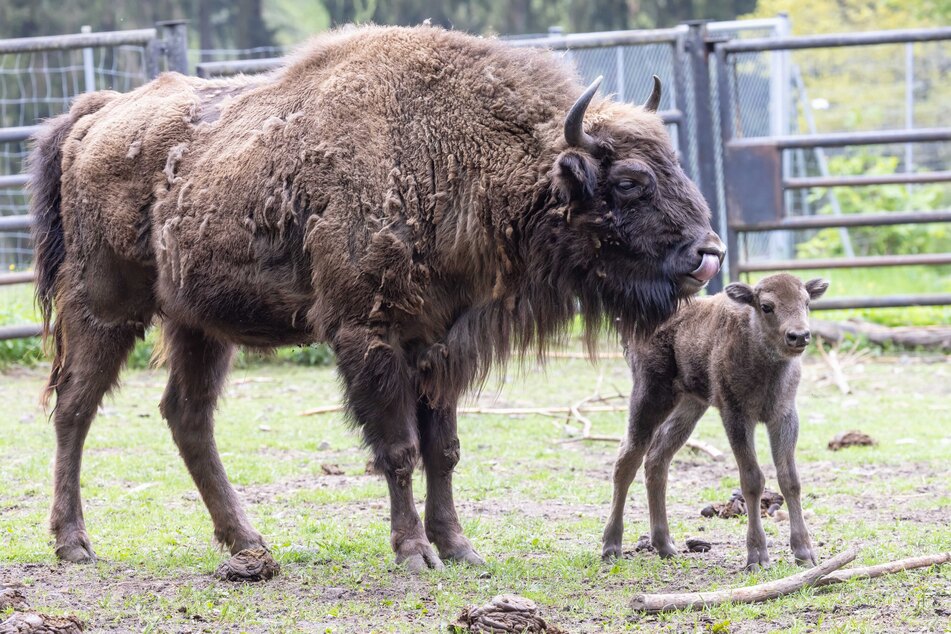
38, 85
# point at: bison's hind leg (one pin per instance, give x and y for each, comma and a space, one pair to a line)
89, 354
198, 366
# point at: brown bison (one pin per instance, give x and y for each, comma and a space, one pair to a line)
423, 200
740, 352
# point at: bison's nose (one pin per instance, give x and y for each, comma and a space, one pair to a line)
713, 245
797, 338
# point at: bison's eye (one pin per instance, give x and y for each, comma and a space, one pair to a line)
767, 308
627, 185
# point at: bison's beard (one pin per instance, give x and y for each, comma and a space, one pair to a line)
616, 292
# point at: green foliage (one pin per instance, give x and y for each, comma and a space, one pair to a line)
894, 239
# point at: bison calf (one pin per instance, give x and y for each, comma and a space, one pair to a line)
740, 352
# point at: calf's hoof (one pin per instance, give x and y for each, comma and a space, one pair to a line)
805, 557
250, 564
76, 548
757, 560
418, 555
611, 552
665, 548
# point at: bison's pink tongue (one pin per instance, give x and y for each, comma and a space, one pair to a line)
709, 266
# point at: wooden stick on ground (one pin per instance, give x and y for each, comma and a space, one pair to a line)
878, 570
832, 360
750, 594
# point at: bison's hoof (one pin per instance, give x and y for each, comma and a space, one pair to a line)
251, 564
76, 548
465, 555
418, 557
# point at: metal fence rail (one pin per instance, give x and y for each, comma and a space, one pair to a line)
757, 176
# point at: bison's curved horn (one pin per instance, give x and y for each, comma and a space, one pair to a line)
654, 100
574, 122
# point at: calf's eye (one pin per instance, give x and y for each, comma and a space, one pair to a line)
767, 308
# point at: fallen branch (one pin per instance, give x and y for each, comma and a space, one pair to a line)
934, 337
750, 594
878, 570
498, 411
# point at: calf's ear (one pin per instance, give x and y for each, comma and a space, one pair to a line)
739, 292
816, 288
574, 175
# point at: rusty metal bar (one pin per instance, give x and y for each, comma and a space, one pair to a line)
20, 332
18, 133
78, 40
881, 301
850, 220
23, 277
841, 139
833, 40
927, 259
862, 181
13, 181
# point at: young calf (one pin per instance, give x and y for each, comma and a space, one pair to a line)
740, 352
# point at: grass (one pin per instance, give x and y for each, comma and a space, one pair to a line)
534, 509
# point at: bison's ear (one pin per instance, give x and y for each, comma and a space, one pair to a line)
575, 175
816, 288
739, 292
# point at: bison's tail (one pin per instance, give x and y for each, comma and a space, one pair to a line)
44, 165
45, 169
49, 246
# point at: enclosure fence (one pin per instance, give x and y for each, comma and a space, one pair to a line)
735, 100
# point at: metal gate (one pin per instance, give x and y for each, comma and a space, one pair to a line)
757, 181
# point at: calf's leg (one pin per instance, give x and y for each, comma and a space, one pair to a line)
740, 432
381, 397
648, 409
667, 441
198, 366
440, 448
783, 435
88, 358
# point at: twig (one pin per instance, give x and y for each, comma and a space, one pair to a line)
832, 360
878, 570
715, 454
750, 594
325, 409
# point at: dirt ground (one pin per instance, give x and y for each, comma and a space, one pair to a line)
534, 508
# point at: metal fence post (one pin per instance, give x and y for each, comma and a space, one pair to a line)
174, 35
89, 68
695, 46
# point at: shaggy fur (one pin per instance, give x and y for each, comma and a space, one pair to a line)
740, 352
405, 194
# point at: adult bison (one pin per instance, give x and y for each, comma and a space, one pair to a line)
422, 200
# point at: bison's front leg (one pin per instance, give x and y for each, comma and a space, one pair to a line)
382, 399
440, 447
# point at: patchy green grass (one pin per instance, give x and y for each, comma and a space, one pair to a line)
533, 507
